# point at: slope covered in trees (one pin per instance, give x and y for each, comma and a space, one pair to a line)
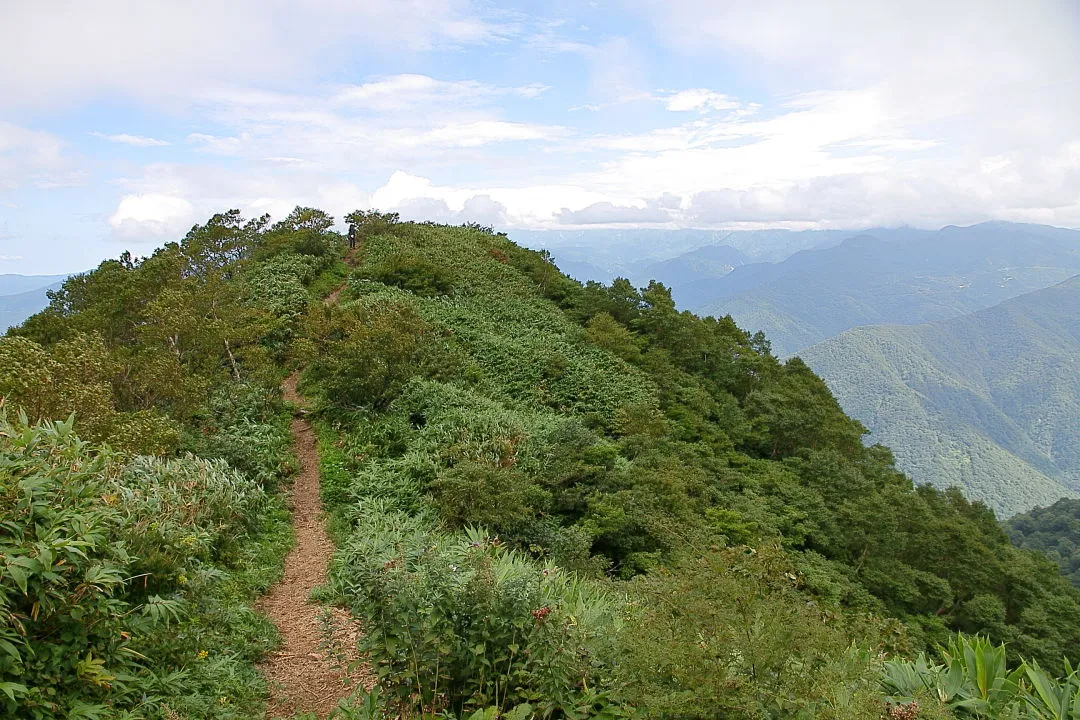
904, 277
549, 499
1053, 530
136, 536
989, 402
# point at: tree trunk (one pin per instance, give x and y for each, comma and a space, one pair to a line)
232, 360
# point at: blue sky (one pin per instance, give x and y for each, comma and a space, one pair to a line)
126, 122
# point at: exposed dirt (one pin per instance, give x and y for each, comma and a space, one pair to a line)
309, 673
332, 298
350, 260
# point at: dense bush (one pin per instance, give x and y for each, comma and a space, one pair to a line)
104, 562
74, 376
367, 352
246, 425
459, 623
1054, 531
975, 680
607, 429
596, 433
410, 272
730, 634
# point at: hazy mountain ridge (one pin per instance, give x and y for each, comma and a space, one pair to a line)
905, 277
13, 284
604, 254
989, 401
23, 295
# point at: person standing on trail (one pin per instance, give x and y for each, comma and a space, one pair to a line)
352, 236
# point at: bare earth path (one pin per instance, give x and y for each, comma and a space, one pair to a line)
350, 260
309, 673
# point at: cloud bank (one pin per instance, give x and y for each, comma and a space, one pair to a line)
734, 114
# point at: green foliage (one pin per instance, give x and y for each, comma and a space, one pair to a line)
109, 569
152, 615
974, 680
730, 634
366, 352
73, 376
372, 222
460, 623
245, 425
608, 430
410, 272
986, 402
1054, 531
305, 231
478, 494
502, 449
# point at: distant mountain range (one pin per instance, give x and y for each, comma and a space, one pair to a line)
23, 295
604, 254
988, 401
895, 276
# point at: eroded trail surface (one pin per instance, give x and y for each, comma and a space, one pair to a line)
310, 672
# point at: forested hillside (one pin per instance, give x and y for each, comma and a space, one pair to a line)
989, 402
1053, 530
904, 277
549, 499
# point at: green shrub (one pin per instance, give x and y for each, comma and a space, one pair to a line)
110, 572
368, 352
248, 427
974, 679
729, 634
479, 494
63, 640
460, 623
410, 272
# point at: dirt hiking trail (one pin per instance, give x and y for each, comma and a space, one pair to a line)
309, 672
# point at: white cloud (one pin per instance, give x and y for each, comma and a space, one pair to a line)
618, 72
480, 132
217, 145
995, 64
700, 99
10, 258
152, 216
865, 114
68, 49
401, 92
136, 140
522, 206
167, 199
659, 210
380, 124
35, 158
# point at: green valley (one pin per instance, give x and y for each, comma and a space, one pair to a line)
988, 402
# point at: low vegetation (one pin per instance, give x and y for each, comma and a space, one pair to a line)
550, 499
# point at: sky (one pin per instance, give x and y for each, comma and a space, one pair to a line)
124, 122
